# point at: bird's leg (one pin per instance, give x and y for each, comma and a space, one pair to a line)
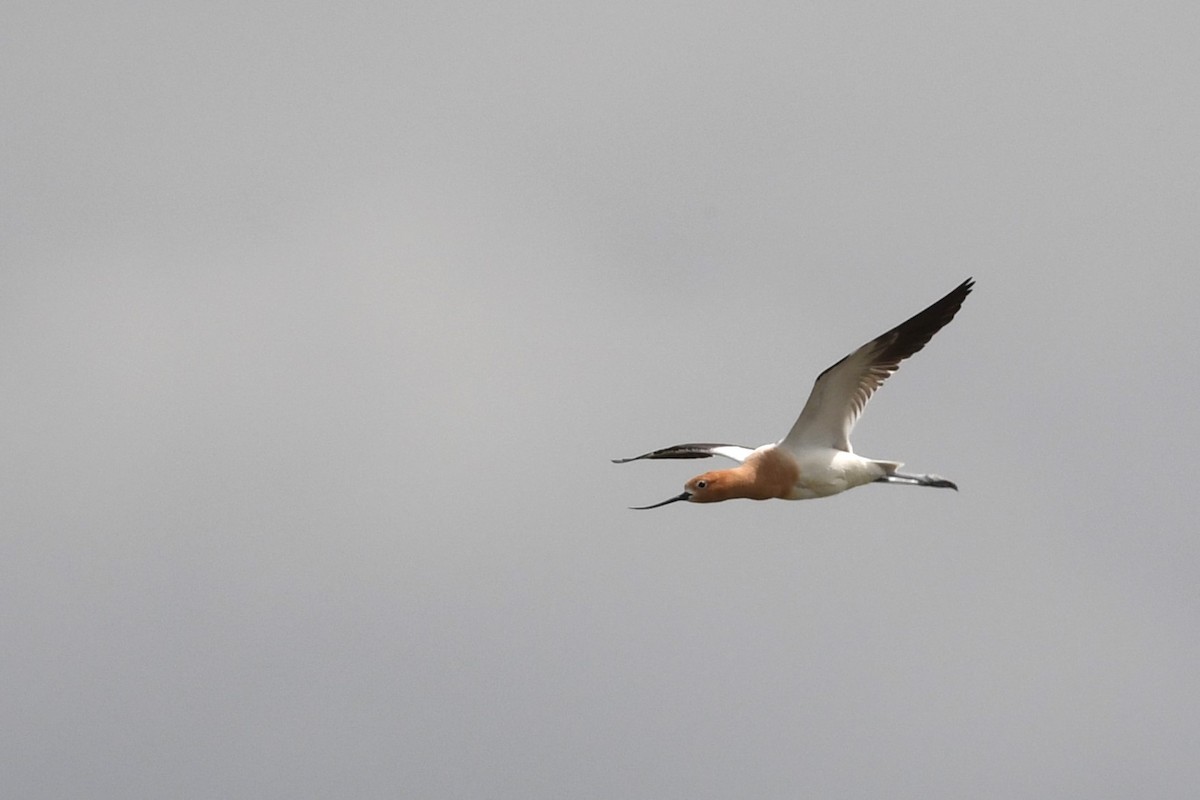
918, 480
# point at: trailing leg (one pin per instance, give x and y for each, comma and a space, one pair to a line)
918, 480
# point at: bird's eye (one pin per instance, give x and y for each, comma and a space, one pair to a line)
701, 484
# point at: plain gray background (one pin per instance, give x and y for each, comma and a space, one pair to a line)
321, 322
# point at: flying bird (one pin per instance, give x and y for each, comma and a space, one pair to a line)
815, 458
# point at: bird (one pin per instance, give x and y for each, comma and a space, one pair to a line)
815, 458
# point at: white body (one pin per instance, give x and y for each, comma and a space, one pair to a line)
825, 471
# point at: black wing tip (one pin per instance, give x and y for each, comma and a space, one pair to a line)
692, 450
954, 297
963, 288
914, 333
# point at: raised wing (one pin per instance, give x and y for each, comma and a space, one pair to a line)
841, 392
736, 452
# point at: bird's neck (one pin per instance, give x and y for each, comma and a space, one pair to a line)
767, 474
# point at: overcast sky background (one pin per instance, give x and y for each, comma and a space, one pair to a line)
321, 322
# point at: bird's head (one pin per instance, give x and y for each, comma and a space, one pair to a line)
711, 487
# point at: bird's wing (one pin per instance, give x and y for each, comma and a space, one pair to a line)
733, 451
841, 392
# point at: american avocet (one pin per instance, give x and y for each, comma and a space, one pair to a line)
815, 459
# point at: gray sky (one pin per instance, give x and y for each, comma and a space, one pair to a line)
321, 323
